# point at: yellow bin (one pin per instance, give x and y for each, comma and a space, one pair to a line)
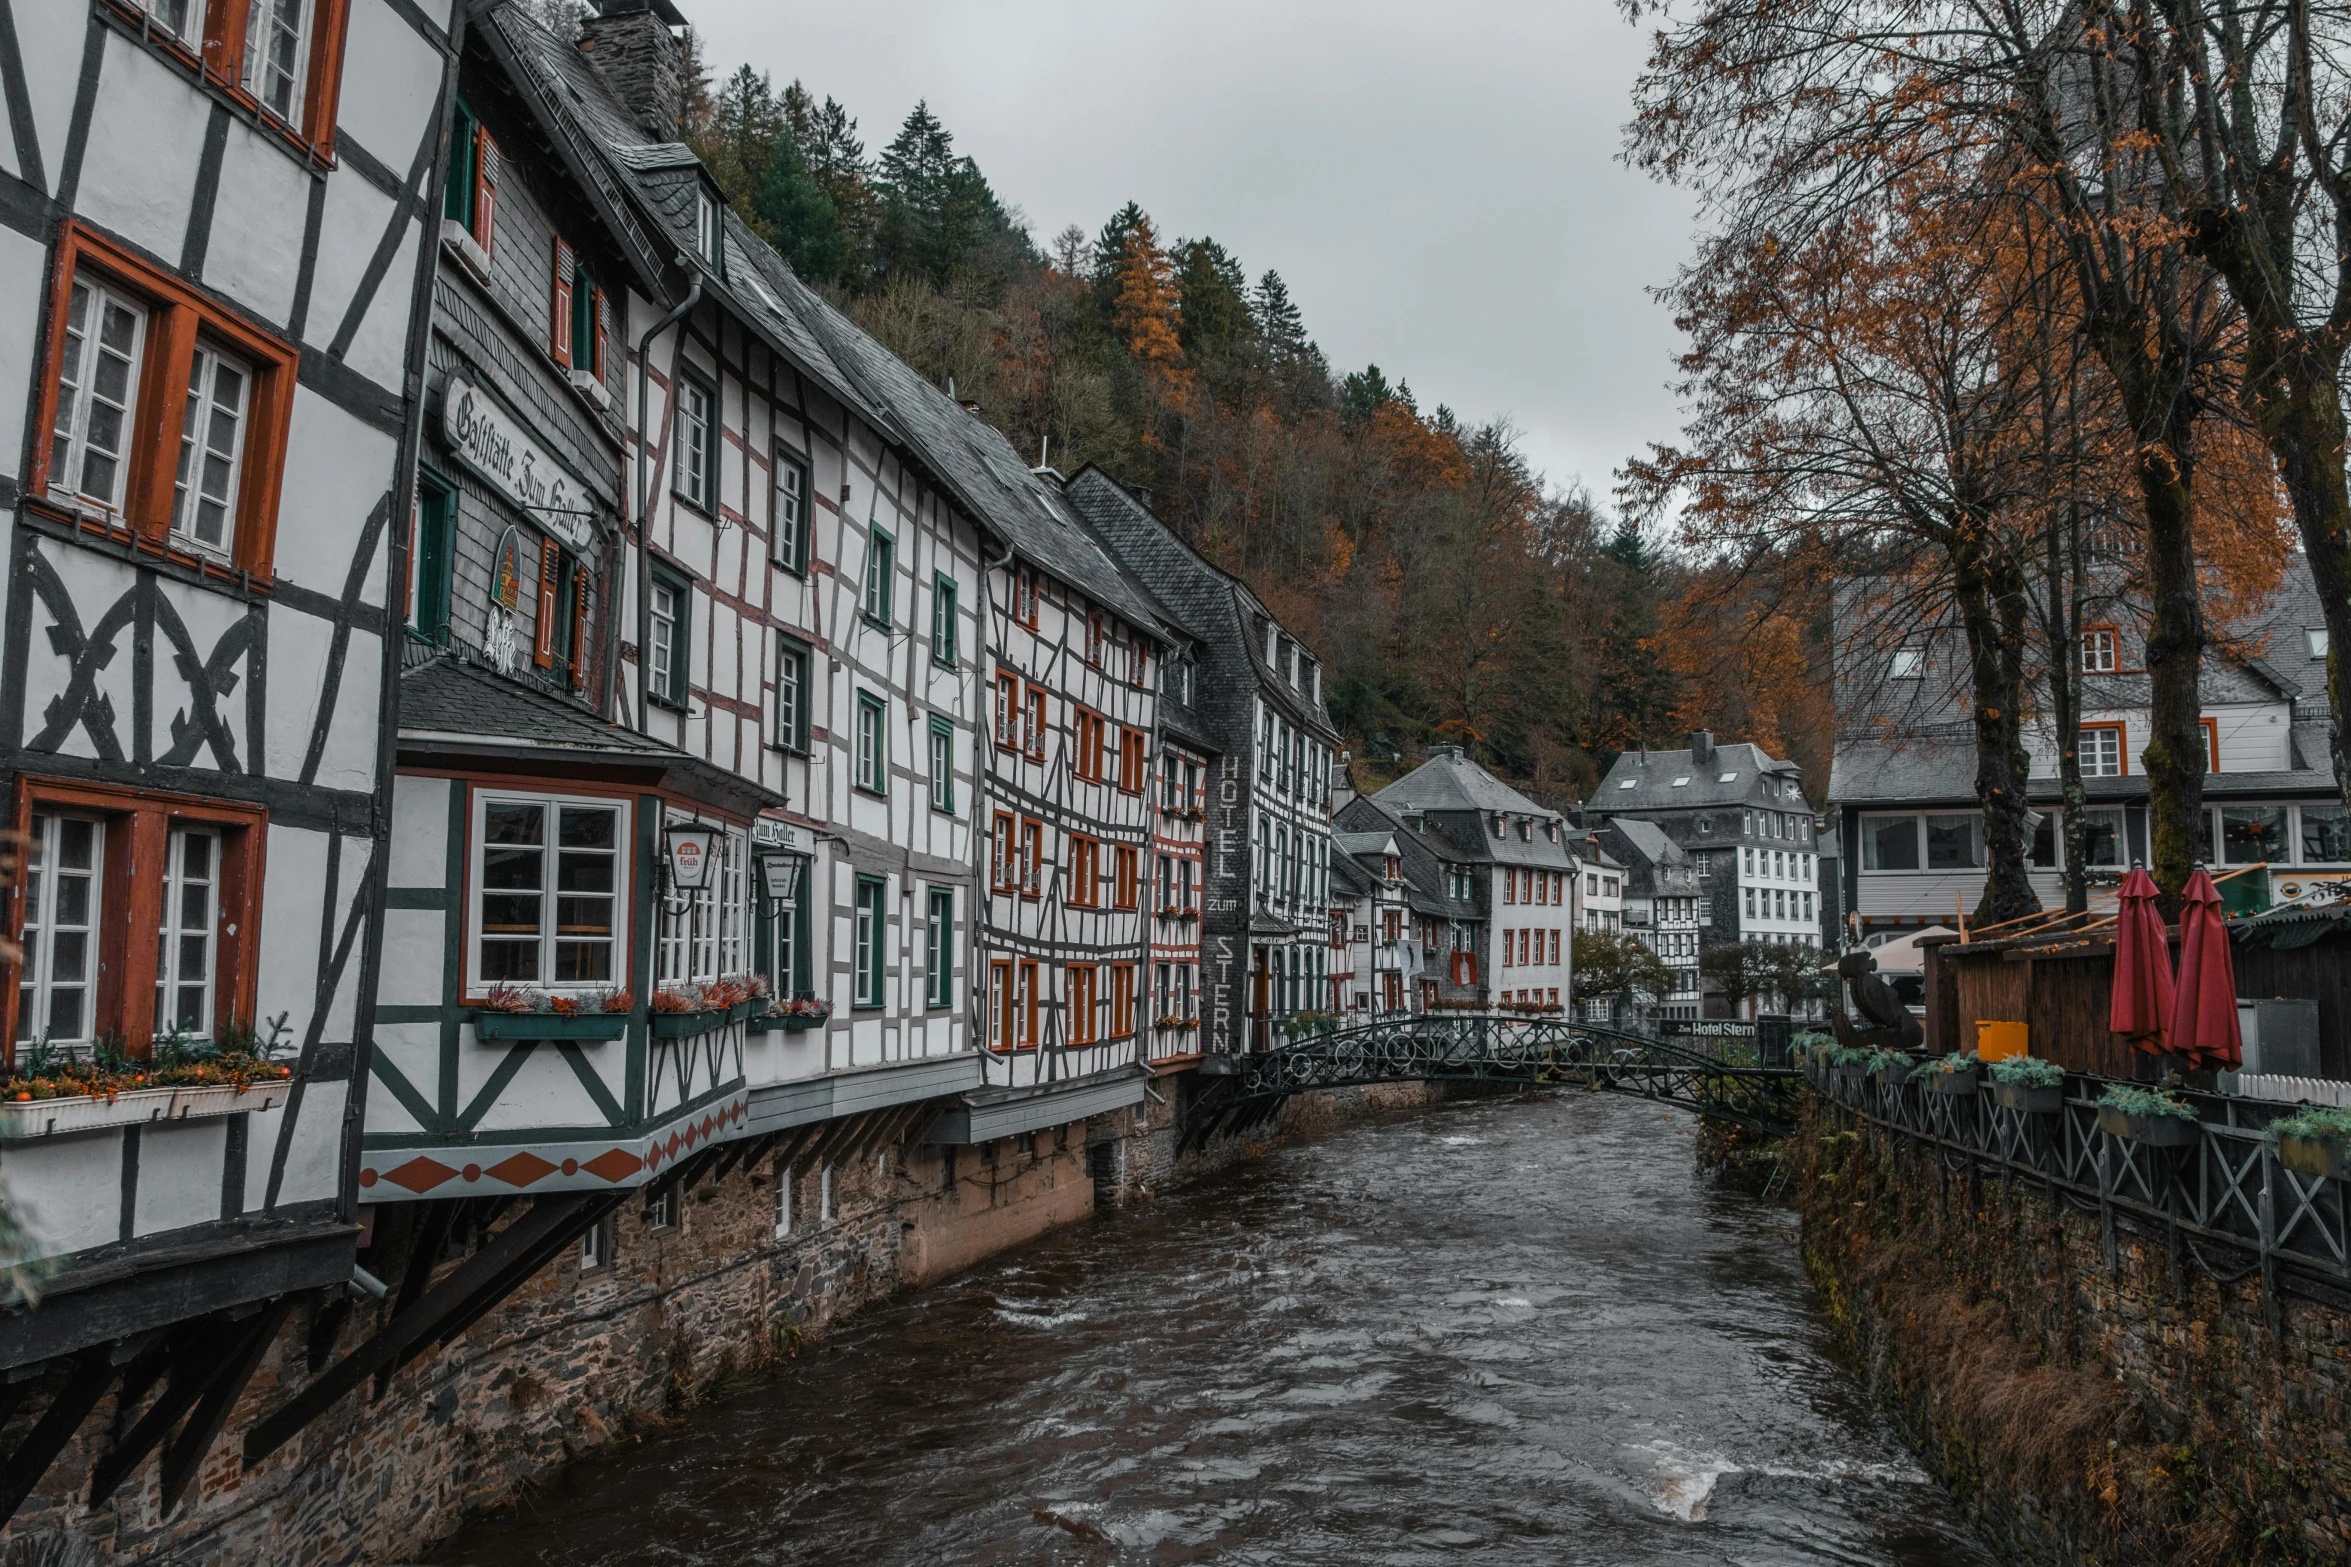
1999, 1041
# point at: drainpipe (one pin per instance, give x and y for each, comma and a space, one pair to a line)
644, 503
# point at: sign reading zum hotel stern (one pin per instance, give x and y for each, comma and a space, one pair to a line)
493, 445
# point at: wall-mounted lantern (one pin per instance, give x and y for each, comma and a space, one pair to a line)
781, 877
687, 851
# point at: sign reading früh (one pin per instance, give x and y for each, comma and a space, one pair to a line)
493, 445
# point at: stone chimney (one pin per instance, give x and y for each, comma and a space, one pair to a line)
641, 59
1702, 747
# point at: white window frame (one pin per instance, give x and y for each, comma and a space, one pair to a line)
70, 429
267, 17
36, 979
172, 935
870, 737
788, 525
622, 880
696, 427
189, 494
708, 938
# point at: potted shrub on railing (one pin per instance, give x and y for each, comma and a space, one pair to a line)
510, 1013
1889, 1068
2314, 1140
2153, 1116
1954, 1075
2028, 1084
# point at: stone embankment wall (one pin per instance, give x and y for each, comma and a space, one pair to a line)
2148, 1415
581, 1357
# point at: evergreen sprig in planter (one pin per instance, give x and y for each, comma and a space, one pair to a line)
2028, 1085
2148, 1116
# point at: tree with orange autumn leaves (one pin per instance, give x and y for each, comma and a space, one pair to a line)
2021, 134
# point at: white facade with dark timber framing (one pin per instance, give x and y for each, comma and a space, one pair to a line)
211, 289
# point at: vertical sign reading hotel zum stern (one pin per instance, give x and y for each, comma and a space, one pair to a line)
1224, 918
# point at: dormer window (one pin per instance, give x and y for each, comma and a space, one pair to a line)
1526, 830
706, 228
1734, 778
1501, 827
2315, 638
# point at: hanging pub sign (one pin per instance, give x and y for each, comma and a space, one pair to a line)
506, 572
488, 440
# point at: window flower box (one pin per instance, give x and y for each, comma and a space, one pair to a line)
549, 1025
2329, 1156
1890, 1074
2028, 1099
2155, 1131
687, 1025
141, 1106
1957, 1083
1845, 1081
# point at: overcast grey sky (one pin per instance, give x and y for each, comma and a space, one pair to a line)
1437, 184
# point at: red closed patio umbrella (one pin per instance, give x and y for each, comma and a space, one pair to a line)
2142, 1007
2204, 1011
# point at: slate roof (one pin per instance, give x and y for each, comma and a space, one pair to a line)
1652, 775
1450, 781
1351, 878
1942, 772
1649, 841
1424, 854
450, 705
1207, 601
1374, 844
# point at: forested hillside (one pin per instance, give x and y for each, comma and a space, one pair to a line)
1456, 593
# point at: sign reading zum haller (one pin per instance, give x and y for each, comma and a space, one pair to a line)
494, 446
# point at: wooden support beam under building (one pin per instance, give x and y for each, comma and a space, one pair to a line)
93, 1373
476, 1284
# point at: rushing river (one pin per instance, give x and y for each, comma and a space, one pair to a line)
1519, 1332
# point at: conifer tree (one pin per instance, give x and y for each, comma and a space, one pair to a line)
1279, 324
1212, 290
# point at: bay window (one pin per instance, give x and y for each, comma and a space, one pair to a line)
547, 878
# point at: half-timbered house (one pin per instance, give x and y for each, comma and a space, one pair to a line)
215, 238
536, 916
1264, 953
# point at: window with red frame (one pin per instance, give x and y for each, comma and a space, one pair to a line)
1125, 891
1007, 710
166, 414
1025, 596
1032, 858
1085, 871
2211, 728
1086, 745
1004, 861
1338, 927
138, 914
1085, 1022
287, 54
1122, 1001
1130, 761
1033, 732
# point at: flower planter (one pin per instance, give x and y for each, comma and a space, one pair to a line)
1845, 1082
549, 1025
88, 1113
2156, 1131
2315, 1156
1955, 1085
686, 1025
743, 1009
1891, 1076
2030, 1100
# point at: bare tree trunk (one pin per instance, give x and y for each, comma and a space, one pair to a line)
2175, 753
1989, 589
2063, 617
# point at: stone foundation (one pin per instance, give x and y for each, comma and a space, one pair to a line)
580, 1357
2148, 1415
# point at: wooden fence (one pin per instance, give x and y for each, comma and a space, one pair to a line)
2062, 988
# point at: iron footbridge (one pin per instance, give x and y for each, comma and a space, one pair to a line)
1480, 1047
